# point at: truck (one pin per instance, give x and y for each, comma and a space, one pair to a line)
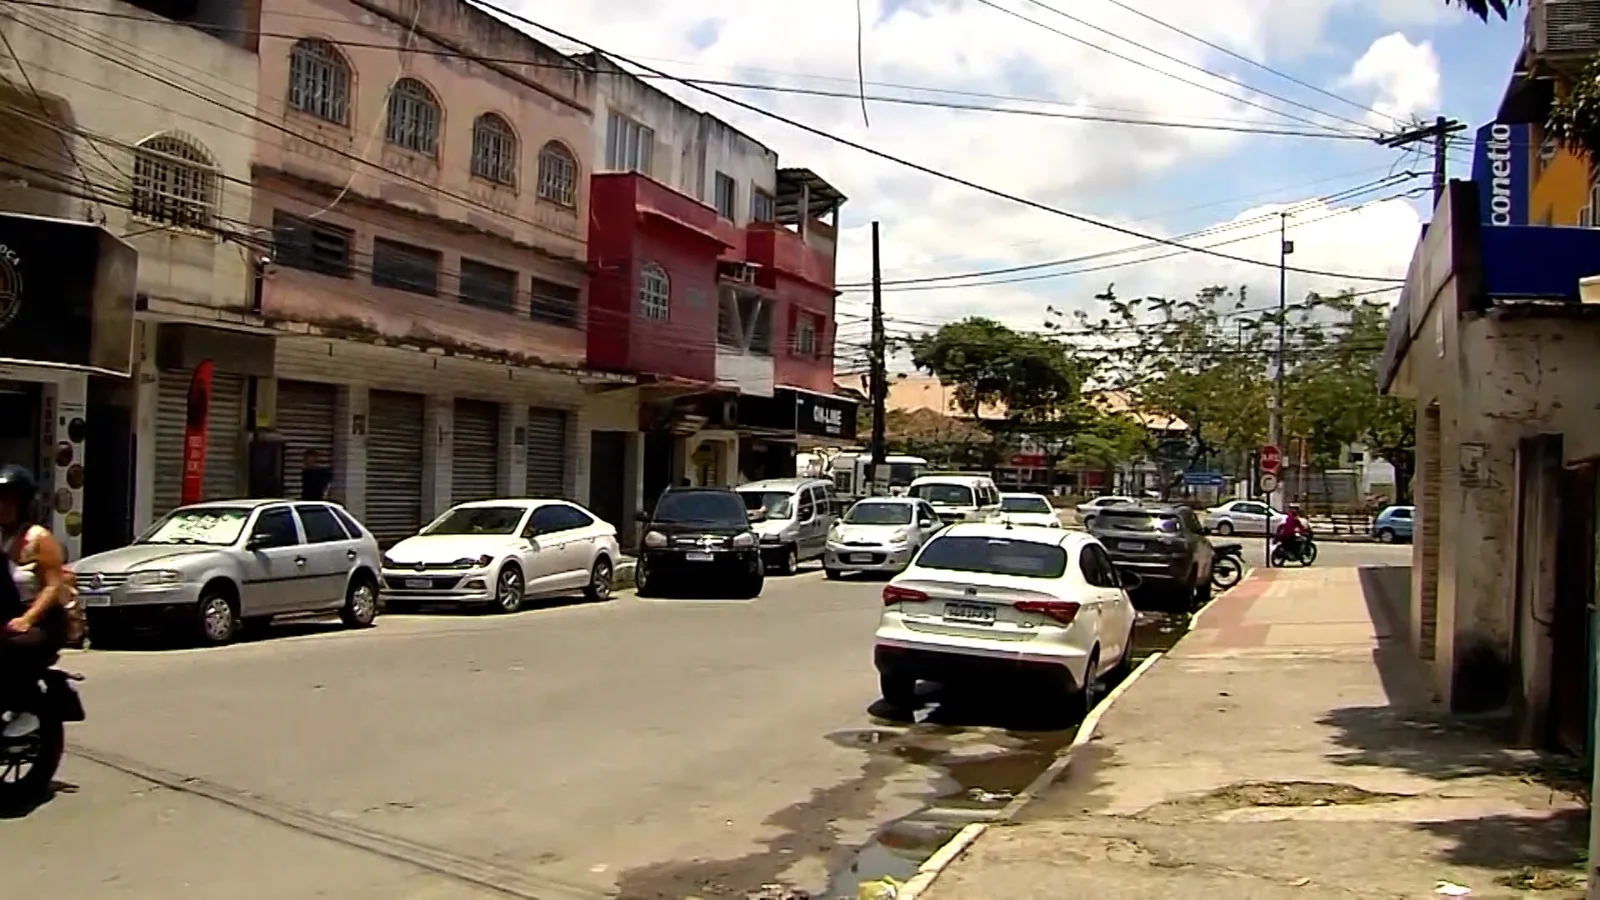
849, 474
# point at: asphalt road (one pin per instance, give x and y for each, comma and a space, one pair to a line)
641, 749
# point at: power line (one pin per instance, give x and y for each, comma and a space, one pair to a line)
918, 167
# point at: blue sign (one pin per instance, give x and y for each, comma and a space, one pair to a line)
1502, 168
1538, 262
1204, 479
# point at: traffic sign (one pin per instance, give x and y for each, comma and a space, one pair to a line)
1271, 459
1268, 482
1204, 479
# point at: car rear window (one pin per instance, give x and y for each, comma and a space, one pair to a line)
999, 556
1136, 520
1025, 505
944, 494
700, 508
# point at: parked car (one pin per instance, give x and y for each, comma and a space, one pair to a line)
1028, 509
219, 565
991, 601
793, 519
1243, 517
958, 496
1087, 510
1163, 547
1394, 523
501, 553
879, 534
698, 536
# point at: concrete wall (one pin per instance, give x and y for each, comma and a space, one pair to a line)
110, 78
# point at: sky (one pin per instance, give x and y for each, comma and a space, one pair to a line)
1343, 71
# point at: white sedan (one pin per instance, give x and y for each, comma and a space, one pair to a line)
1243, 517
1087, 510
1028, 509
500, 553
986, 602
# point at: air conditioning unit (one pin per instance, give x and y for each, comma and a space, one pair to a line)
1564, 31
736, 272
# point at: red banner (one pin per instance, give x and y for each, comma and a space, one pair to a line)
198, 415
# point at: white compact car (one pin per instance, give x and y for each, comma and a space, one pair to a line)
499, 553
991, 601
1087, 510
1028, 509
1243, 517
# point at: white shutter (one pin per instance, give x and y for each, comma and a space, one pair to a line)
547, 453
224, 435
394, 465
305, 415
475, 451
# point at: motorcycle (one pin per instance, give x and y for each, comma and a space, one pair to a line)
1304, 554
33, 716
1227, 568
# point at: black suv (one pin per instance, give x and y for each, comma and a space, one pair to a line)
700, 537
1162, 546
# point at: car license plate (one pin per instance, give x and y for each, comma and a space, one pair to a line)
1130, 545
969, 612
95, 599
859, 558
419, 583
698, 556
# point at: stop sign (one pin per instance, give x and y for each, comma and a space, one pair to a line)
1271, 458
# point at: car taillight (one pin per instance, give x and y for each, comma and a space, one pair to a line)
1063, 611
893, 594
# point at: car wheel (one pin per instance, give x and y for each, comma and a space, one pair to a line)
644, 583
1082, 698
1202, 593
1224, 528
360, 603
791, 561
833, 574
600, 577
898, 691
1386, 535
752, 587
509, 590
217, 617
1087, 521
1124, 665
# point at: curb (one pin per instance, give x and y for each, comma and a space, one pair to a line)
952, 850
1252, 573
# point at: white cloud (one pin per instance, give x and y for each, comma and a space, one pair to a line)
1403, 78
932, 226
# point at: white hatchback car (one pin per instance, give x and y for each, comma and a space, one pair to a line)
988, 601
499, 553
1028, 509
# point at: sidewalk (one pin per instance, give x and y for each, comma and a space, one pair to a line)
1286, 748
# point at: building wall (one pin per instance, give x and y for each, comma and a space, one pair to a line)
1560, 188
110, 78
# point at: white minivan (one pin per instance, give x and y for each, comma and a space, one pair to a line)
959, 496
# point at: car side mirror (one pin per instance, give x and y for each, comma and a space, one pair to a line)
256, 542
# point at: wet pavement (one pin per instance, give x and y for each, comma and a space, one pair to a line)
648, 750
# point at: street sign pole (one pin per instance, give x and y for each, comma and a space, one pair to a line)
1269, 460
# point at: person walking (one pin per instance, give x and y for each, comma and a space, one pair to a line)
316, 476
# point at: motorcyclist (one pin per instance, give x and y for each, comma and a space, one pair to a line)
33, 623
1293, 531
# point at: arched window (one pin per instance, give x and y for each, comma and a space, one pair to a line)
174, 183
494, 150
319, 81
655, 293
558, 174
413, 117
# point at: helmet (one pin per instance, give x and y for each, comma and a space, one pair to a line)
19, 484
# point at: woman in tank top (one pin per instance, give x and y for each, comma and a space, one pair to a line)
34, 627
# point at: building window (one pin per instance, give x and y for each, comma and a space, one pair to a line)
762, 207
491, 287
174, 183
629, 145
558, 175
655, 293
552, 302
404, 267
319, 81
805, 336
311, 246
413, 117
727, 196
494, 150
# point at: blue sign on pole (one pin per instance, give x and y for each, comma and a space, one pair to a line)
1204, 479
1502, 168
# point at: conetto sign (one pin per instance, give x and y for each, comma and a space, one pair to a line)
1502, 169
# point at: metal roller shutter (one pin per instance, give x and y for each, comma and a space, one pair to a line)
547, 453
305, 420
475, 451
223, 437
394, 465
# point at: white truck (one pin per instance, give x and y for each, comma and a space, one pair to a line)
849, 474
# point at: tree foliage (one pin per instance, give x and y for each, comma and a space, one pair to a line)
1483, 8
1027, 378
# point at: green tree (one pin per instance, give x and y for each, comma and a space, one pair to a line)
1107, 440
1482, 8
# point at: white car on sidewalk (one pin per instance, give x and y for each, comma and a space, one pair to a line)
500, 553
986, 602
1028, 509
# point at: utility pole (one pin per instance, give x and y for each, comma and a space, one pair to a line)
1439, 133
879, 377
1275, 417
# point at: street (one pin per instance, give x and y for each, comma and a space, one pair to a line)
641, 749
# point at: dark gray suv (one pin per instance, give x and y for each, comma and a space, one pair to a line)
1163, 547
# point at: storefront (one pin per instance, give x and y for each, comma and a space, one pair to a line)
67, 297
395, 433
475, 451
547, 453
772, 429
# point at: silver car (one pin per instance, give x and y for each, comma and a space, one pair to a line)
216, 566
879, 534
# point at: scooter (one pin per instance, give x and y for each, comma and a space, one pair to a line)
33, 716
1227, 568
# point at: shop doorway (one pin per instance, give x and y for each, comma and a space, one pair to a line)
658, 475
109, 467
608, 465
19, 424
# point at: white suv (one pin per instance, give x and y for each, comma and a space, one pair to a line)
958, 496
984, 601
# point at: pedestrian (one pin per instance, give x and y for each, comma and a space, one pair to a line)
316, 476
34, 620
